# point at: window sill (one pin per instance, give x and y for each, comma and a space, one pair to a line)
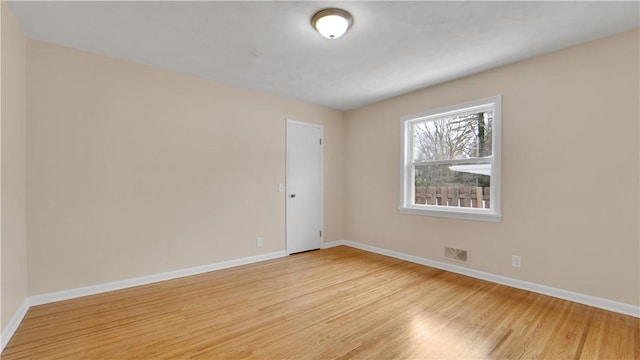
453, 213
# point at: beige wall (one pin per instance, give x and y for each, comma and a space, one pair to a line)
12, 188
569, 172
134, 170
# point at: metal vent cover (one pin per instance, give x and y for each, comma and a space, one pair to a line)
460, 255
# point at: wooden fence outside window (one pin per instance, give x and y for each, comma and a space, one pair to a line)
458, 196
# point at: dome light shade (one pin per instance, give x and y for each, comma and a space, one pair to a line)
332, 23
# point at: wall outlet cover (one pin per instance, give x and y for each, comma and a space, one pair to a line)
516, 261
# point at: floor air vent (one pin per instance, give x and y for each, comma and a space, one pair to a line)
456, 254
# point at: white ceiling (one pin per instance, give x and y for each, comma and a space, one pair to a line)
393, 47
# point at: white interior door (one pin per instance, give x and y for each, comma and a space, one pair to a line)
304, 186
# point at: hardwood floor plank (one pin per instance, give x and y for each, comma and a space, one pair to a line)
338, 303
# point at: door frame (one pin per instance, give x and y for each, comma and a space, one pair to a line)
287, 193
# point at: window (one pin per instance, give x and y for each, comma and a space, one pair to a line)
451, 161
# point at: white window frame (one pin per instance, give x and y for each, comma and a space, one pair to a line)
407, 190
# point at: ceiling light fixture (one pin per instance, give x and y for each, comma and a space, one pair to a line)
332, 23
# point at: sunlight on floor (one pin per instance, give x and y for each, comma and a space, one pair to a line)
440, 337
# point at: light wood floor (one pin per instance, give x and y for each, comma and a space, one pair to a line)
335, 303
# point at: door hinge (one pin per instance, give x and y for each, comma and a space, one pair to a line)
320, 233
320, 141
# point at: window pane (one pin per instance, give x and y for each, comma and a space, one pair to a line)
459, 185
457, 137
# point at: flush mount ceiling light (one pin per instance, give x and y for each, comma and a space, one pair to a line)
332, 23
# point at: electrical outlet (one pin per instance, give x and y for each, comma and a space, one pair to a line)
516, 261
259, 241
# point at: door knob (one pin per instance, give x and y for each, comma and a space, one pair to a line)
292, 195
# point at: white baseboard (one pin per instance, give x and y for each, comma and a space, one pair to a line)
13, 324
330, 244
11, 328
144, 280
594, 301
